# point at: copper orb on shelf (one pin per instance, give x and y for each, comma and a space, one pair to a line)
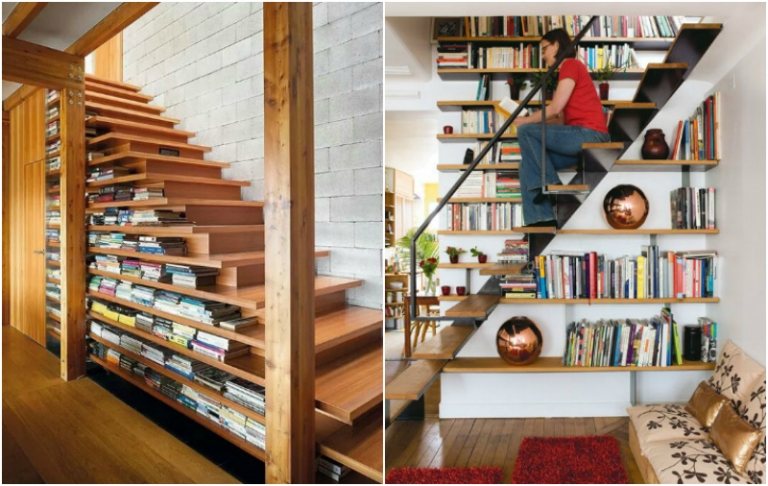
625, 207
519, 341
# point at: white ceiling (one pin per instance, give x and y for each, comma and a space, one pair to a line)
59, 25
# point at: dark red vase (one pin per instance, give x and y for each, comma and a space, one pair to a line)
655, 146
604, 87
453, 258
482, 258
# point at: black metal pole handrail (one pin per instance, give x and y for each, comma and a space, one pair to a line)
444, 200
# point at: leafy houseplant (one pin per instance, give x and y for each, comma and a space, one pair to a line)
481, 257
427, 246
454, 252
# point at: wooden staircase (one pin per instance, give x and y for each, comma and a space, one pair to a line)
658, 84
227, 233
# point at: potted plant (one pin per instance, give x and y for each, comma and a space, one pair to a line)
605, 74
481, 257
549, 87
453, 253
515, 86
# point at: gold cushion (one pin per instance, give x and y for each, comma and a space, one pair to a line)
705, 403
735, 438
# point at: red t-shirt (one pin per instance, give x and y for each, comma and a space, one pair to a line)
583, 108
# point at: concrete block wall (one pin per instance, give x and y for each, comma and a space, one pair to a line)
204, 63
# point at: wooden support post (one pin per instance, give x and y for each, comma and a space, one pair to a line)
289, 214
72, 235
6, 217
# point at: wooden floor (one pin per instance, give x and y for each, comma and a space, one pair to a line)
490, 442
76, 432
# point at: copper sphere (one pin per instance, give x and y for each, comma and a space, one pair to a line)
625, 207
519, 341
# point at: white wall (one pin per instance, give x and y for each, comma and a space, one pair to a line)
740, 182
204, 63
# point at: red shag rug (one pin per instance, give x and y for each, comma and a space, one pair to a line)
569, 460
445, 475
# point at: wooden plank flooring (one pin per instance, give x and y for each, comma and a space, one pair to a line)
491, 442
77, 432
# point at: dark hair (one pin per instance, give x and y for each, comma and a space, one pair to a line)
563, 39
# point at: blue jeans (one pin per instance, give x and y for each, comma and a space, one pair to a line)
563, 150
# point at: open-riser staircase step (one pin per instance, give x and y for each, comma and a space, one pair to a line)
691, 43
127, 94
115, 142
139, 128
118, 102
129, 114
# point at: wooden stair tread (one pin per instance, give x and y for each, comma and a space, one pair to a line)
122, 103
463, 167
348, 387
111, 82
505, 268
603, 145
358, 447
414, 380
180, 230
634, 106
485, 199
134, 157
340, 326
222, 260
161, 177
117, 123
164, 201
474, 306
108, 110
445, 344
554, 364
127, 137
568, 187
117, 92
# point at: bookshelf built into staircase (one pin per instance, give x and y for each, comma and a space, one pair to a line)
226, 233
658, 82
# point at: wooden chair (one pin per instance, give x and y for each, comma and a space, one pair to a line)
430, 306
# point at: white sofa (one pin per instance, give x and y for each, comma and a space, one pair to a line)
671, 446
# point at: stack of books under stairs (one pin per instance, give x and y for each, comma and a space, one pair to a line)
658, 83
176, 290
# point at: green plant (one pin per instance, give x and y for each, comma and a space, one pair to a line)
476, 253
427, 247
606, 73
551, 84
428, 266
453, 251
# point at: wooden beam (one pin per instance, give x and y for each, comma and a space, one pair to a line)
289, 214
114, 23
6, 169
108, 59
28, 63
72, 234
21, 16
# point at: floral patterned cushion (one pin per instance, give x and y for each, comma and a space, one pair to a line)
754, 413
691, 461
734, 375
664, 422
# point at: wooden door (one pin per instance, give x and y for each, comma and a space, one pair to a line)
33, 322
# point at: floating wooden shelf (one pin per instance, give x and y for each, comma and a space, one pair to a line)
209, 424
534, 39
54, 317
494, 103
176, 202
689, 300
53, 280
553, 364
503, 269
463, 266
663, 165
511, 231
603, 146
485, 200
181, 379
639, 231
249, 367
472, 136
463, 167
440, 71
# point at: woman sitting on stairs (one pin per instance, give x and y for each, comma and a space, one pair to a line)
583, 121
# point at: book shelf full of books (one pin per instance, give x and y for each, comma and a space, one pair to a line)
487, 206
53, 277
